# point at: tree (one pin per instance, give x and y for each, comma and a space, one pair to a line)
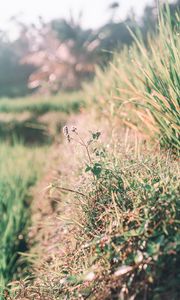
13, 75
113, 7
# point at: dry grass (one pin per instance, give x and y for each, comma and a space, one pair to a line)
141, 85
106, 236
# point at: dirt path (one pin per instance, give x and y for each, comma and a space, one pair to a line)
52, 235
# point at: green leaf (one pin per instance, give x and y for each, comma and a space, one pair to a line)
147, 187
88, 168
96, 135
96, 170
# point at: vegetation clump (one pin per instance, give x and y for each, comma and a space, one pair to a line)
142, 86
129, 245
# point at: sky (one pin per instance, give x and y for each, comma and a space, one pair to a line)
95, 12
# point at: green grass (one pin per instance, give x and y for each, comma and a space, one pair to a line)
29, 132
141, 86
22, 119
67, 103
20, 168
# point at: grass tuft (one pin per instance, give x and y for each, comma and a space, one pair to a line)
141, 86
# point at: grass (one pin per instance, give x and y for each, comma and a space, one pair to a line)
130, 237
24, 123
125, 213
141, 86
30, 119
20, 168
122, 199
39, 105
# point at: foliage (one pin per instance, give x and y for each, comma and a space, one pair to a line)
133, 216
66, 103
61, 54
141, 86
36, 120
72, 52
17, 175
126, 227
13, 75
28, 120
94, 46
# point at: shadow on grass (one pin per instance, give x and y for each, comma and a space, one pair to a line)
29, 132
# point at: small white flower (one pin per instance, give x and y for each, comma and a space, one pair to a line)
115, 260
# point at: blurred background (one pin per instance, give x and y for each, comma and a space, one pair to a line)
55, 45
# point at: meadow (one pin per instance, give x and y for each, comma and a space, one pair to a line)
110, 216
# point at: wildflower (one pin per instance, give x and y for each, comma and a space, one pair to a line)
115, 260
73, 129
66, 133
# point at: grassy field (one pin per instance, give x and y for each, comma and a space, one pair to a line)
114, 230
39, 105
36, 120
